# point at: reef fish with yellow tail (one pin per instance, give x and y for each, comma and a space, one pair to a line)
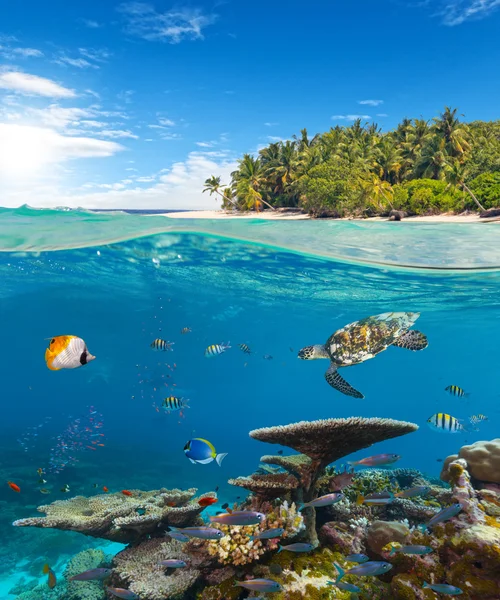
51, 579
239, 517
378, 460
216, 349
122, 593
161, 345
173, 404
454, 390
326, 500
67, 352
260, 585
201, 451
443, 588
445, 423
362, 340
92, 575
419, 490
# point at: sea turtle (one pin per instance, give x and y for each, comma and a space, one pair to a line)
362, 340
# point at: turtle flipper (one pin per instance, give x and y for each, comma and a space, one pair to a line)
412, 340
339, 383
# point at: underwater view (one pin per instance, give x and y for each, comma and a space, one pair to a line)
219, 411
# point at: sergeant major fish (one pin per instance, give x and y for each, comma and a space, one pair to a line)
161, 345
244, 348
445, 423
172, 403
216, 349
454, 390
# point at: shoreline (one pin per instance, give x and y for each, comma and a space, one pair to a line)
270, 216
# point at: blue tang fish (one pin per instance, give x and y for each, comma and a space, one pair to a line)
202, 452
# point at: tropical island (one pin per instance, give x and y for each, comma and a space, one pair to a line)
420, 168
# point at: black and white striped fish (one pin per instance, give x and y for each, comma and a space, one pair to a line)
216, 349
475, 419
445, 423
162, 345
244, 348
172, 403
454, 390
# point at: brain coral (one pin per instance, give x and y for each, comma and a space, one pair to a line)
483, 460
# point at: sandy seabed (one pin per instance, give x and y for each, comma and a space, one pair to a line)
279, 216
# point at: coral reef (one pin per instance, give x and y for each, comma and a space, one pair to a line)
237, 548
85, 590
483, 462
269, 486
120, 518
381, 533
136, 568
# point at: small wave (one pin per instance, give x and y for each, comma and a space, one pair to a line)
437, 246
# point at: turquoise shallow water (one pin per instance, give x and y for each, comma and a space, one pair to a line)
120, 281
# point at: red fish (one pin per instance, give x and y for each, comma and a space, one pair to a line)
207, 501
171, 504
13, 486
127, 493
105, 489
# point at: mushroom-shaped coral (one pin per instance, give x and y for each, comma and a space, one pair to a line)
120, 518
328, 440
483, 461
272, 485
137, 568
298, 465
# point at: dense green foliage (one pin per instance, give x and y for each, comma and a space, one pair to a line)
421, 167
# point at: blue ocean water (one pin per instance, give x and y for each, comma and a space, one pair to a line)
256, 283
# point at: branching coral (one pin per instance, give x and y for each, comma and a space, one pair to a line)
136, 568
85, 590
237, 548
120, 518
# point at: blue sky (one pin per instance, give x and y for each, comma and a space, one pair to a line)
135, 104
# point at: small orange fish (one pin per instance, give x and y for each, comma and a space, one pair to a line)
105, 489
13, 486
171, 504
52, 578
207, 501
101, 445
127, 493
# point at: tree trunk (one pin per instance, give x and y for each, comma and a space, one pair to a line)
228, 199
469, 191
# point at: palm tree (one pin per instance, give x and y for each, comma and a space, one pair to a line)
377, 192
432, 161
454, 133
213, 185
455, 174
248, 180
388, 160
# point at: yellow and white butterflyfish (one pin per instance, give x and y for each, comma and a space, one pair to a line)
67, 352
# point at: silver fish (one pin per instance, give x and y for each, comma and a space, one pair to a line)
443, 515
260, 585
370, 568
443, 588
268, 534
327, 500
347, 587
176, 535
420, 550
239, 517
172, 563
202, 533
298, 547
91, 575
419, 490
357, 558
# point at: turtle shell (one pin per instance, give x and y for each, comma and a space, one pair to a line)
362, 340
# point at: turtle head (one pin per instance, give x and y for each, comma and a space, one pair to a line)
313, 352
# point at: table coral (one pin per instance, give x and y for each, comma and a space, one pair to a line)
119, 518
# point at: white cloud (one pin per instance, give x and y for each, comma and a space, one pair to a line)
91, 24
459, 11
24, 147
371, 102
97, 54
269, 124
126, 96
172, 26
117, 133
7, 52
24, 83
170, 136
205, 144
274, 138
91, 123
80, 63
350, 117
58, 117
166, 122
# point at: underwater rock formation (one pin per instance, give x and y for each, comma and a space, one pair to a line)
483, 462
381, 533
120, 518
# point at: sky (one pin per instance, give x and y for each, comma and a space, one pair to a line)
133, 105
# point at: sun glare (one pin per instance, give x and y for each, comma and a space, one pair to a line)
23, 150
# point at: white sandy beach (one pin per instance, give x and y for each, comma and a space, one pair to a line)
278, 216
